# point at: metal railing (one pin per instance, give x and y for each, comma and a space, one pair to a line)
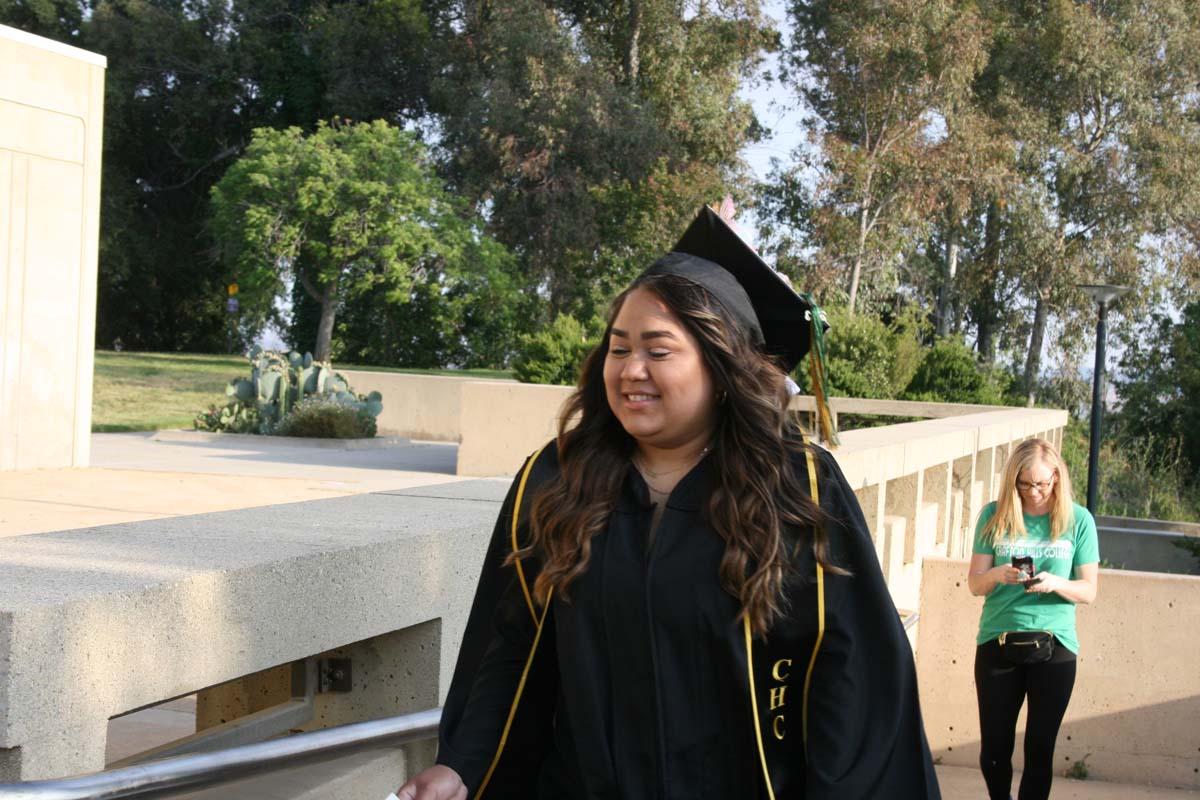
172, 775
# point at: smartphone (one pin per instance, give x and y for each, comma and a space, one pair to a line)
1025, 564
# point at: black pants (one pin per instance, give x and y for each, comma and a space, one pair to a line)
1002, 688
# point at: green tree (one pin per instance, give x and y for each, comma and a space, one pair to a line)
876, 76
350, 207
55, 19
460, 318
1158, 383
185, 86
171, 125
1100, 100
592, 131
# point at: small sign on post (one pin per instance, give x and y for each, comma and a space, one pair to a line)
231, 305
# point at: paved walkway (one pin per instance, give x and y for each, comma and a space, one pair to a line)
138, 476
963, 783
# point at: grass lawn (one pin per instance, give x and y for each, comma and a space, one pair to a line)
494, 374
152, 391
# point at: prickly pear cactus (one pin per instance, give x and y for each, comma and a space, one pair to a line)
278, 382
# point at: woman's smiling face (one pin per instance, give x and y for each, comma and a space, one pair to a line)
657, 383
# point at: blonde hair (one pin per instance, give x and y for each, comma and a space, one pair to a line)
1008, 521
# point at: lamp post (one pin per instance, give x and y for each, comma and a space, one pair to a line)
1103, 294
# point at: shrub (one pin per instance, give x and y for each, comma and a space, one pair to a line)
555, 354
866, 357
1191, 546
1145, 479
1078, 770
949, 373
326, 418
1158, 382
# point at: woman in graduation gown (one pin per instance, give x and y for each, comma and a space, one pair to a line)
681, 598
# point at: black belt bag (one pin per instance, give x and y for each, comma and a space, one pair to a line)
1026, 647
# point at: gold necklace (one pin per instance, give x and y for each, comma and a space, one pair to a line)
647, 474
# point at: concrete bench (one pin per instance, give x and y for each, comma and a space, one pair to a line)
97, 622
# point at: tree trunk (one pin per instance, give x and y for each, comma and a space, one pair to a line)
946, 289
986, 304
325, 330
632, 54
328, 300
856, 270
1033, 358
985, 343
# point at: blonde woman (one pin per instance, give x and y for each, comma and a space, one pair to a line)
1035, 557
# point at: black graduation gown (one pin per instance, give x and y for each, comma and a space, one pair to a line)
638, 686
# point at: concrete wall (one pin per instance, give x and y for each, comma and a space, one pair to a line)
51, 115
417, 406
504, 422
1135, 712
497, 423
1147, 545
98, 622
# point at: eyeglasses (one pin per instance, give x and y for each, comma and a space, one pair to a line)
1029, 486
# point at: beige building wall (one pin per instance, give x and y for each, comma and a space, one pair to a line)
51, 116
1134, 715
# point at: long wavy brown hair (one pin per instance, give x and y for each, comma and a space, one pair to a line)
760, 507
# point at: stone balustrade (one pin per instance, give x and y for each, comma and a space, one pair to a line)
921, 484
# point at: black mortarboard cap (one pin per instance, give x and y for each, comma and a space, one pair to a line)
712, 254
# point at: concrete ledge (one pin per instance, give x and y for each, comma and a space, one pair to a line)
427, 407
1149, 525
1136, 701
97, 622
243, 439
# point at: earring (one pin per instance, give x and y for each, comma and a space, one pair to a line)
721, 397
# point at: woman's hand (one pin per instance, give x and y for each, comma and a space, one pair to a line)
1080, 590
1043, 582
1008, 574
436, 783
982, 577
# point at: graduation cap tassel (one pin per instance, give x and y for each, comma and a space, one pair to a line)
816, 370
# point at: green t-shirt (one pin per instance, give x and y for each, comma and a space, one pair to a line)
1009, 607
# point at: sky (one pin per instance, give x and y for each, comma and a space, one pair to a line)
775, 109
